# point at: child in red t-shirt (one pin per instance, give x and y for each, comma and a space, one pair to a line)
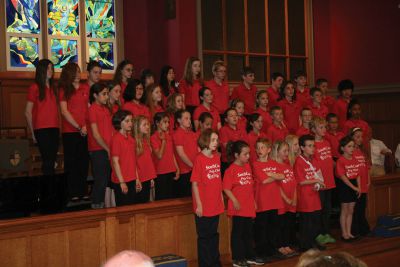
123, 74
154, 99
317, 107
185, 142
305, 117
333, 135
219, 86
144, 160
113, 102
294, 149
238, 105
327, 100
205, 122
191, 83
134, 99
345, 88
175, 102
360, 225
207, 198
164, 158
309, 180
273, 91
288, 193
246, 91
238, 185
291, 106
229, 133
323, 154
268, 201
263, 110
207, 98
255, 124
302, 92
277, 130
347, 169
123, 160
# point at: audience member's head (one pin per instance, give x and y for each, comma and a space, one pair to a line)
129, 258
316, 258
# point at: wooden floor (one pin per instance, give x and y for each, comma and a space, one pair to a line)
374, 251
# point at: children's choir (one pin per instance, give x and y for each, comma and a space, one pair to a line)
274, 152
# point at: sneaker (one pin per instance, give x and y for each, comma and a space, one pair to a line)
237, 263
330, 239
256, 261
321, 239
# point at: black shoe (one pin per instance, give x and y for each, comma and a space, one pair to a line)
346, 240
256, 261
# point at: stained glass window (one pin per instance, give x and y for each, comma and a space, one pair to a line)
23, 16
103, 52
63, 17
63, 51
24, 52
100, 18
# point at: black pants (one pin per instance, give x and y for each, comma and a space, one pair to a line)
207, 241
182, 186
47, 140
241, 238
310, 224
326, 205
76, 163
144, 195
122, 199
360, 225
164, 186
287, 232
101, 171
266, 229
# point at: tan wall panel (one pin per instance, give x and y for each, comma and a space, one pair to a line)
14, 252
85, 247
49, 250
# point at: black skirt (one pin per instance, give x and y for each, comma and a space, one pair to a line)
347, 194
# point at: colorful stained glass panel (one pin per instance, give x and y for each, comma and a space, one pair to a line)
63, 17
63, 51
103, 52
23, 16
24, 52
100, 21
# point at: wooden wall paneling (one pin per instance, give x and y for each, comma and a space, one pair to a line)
395, 198
161, 234
186, 236
14, 252
49, 250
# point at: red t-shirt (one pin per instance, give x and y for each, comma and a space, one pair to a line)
364, 169
334, 140
273, 96
100, 115
304, 98
207, 173
213, 111
275, 133
221, 95
251, 139
288, 186
166, 164
302, 131
242, 123
123, 87
188, 140
267, 120
268, 196
78, 106
124, 148
239, 180
45, 112
191, 92
323, 154
308, 198
145, 165
340, 109
348, 167
247, 95
114, 109
137, 109
291, 113
329, 102
320, 111
366, 130
226, 134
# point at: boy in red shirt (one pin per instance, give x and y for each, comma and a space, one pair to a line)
305, 117
345, 88
273, 91
317, 107
246, 91
307, 173
302, 92
327, 100
277, 130
323, 154
333, 135
219, 86
207, 198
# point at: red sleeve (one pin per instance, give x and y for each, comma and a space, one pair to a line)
116, 147
33, 92
178, 138
340, 170
196, 171
61, 95
155, 143
196, 114
227, 181
299, 172
92, 115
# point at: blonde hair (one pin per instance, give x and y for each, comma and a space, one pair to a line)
217, 64
138, 135
290, 140
317, 121
264, 141
277, 145
316, 258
